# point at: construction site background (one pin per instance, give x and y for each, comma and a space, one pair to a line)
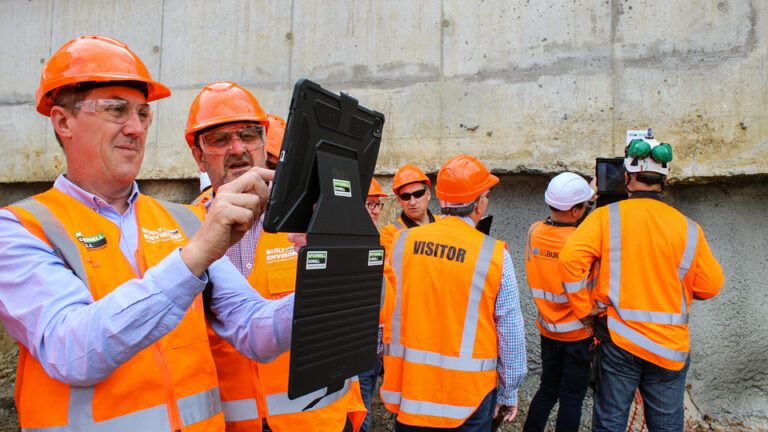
530, 88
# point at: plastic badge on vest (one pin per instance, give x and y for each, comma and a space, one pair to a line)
93, 242
342, 188
317, 260
375, 258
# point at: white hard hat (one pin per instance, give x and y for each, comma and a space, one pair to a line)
566, 190
205, 182
642, 155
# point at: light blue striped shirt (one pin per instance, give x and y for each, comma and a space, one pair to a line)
79, 341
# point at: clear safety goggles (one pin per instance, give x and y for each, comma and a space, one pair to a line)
116, 110
218, 141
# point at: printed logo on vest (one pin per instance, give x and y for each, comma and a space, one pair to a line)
545, 254
342, 188
93, 242
375, 258
277, 255
162, 234
317, 260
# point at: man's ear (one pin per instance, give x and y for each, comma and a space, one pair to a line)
199, 158
62, 121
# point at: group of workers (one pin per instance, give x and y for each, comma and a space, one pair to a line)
133, 313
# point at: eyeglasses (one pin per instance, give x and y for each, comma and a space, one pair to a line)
116, 110
640, 149
373, 205
218, 141
406, 196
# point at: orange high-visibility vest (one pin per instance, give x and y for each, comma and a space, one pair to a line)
556, 319
387, 234
440, 339
252, 391
169, 386
203, 198
653, 262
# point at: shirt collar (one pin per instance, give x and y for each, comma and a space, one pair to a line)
90, 200
410, 223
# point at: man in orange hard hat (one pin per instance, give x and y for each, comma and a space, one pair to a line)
565, 341
411, 188
454, 345
101, 285
654, 261
227, 132
275, 134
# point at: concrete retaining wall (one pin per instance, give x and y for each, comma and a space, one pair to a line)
531, 88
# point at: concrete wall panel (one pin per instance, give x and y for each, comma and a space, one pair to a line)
498, 36
380, 43
241, 41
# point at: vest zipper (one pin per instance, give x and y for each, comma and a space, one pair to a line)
261, 401
165, 374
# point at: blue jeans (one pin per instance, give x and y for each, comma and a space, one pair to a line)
564, 378
479, 421
662, 391
368, 381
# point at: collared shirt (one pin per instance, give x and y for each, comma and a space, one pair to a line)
410, 223
513, 362
79, 341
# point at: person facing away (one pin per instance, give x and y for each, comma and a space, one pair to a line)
454, 343
411, 188
565, 341
654, 261
227, 132
100, 284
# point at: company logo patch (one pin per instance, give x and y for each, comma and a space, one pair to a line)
342, 188
93, 242
546, 254
277, 255
375, 258
317, 260
162, 234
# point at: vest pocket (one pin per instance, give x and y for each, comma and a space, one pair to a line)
191, 330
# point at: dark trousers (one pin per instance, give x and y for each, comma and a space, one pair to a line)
662, 390
564, 379
479, 421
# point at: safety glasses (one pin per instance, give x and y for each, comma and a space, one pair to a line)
116, 110
640, 149
406, 196
218, 141
373, 205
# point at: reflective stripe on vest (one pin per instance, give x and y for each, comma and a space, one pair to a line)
562, 327
465, 362
279, 403
56, 233
548, 296
614, 290
427, 408
399, 225
192, 409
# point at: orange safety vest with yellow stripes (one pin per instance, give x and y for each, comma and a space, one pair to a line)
252, 391
556, 319
440, 339
653, 262
169, 386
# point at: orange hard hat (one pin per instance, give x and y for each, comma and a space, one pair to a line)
462, 179
219, 103
375, 189
275, 134
409, 174
93, 59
